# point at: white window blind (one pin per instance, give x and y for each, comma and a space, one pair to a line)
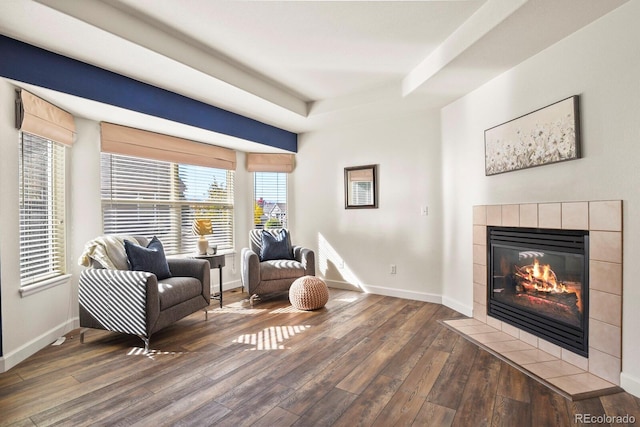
270, 200
362, 192
155, 198
42, 209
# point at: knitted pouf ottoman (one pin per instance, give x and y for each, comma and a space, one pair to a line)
308, 293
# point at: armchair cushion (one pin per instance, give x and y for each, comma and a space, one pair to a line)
151, 258
281, 269
275, 246
174, 290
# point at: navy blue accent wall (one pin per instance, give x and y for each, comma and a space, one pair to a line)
26, 63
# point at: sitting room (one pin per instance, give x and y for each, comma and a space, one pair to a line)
319, 213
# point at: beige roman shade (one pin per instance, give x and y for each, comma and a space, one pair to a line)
270, 162
128, 141
38, 117
365, 175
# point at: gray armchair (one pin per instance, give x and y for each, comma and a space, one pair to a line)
114, 298
261, 277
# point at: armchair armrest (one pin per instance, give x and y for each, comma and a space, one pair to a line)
191, 267
119, 300
307, 258
250, 269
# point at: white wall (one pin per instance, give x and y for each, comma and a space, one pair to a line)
357, 246
601, 63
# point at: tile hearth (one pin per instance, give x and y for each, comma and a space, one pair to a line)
567, 379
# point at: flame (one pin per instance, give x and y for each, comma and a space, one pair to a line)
543, 278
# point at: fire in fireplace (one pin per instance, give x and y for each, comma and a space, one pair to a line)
538, 282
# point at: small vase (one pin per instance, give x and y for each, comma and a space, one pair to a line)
203, 246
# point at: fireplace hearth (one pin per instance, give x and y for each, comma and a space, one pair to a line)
538, 281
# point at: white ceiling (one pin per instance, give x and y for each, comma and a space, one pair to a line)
298, 65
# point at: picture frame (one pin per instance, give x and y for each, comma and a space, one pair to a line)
548, 135
361, 187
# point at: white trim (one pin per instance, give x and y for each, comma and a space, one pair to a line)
11, 359
233, 284
389, 292
27, 290
630, 384
457, 306
339, 284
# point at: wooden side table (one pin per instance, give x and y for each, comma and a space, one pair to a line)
215, 261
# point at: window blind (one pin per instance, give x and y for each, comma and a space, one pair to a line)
270, 200
270, 162
128, 141
38, 117
362, 192
156, 198
42, 209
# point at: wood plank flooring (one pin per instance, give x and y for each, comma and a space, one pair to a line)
364, 360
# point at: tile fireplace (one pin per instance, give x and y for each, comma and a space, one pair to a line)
573, 372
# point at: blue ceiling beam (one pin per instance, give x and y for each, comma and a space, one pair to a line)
29, 64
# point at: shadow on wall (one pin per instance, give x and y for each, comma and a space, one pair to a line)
333, 267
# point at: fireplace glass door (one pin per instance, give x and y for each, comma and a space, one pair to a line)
538, 282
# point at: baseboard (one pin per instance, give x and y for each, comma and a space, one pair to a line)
630, 384
233, 284
455, 305
389, 292
11, 359
337, 284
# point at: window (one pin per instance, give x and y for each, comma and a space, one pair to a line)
42, 209
362, 192
270, 200
155, 198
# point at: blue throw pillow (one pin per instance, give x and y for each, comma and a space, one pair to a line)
276, 247
150, 259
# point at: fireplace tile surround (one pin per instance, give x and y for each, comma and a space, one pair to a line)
569, 373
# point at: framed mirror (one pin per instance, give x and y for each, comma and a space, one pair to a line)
360, 187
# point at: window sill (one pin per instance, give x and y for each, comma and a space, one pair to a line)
27, 290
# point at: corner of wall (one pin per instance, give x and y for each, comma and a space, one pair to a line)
457, 306
630, 383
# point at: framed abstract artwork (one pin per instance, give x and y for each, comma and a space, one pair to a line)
548, 135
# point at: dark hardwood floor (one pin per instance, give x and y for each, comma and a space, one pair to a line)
363, 360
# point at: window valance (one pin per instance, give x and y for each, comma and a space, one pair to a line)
38, 117
270, 162
128, 141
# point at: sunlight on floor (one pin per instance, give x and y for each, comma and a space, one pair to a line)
236, 310
285, 310
271, 338
352, 299
239, 307
152, 354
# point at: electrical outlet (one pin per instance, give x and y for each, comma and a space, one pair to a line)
424, 210
392, 270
